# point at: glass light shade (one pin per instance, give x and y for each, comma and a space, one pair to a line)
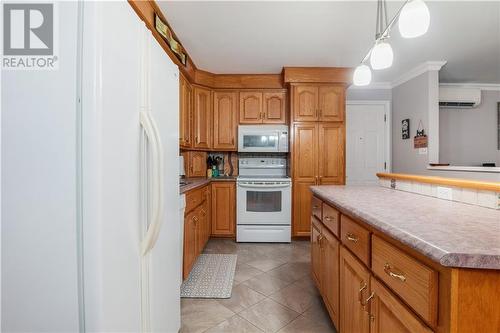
381, 56
414, 19
362, 75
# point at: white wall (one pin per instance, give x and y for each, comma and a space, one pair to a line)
417, 100
469, 136
409, 100
360, 94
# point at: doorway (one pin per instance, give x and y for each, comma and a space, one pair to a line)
368, 141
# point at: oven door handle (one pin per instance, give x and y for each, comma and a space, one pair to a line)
264, 185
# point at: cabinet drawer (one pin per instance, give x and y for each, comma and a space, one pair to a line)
316, 208
355, 238
194, 198
414, 282
331, 219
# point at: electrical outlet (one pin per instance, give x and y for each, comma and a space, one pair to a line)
422, 151
444, 193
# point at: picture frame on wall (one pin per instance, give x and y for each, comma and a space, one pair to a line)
405, 129
498, 126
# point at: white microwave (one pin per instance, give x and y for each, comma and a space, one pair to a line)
263, 138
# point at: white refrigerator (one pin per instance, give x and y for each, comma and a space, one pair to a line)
90, 193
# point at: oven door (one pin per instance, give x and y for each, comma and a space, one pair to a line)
264, 203
258, 141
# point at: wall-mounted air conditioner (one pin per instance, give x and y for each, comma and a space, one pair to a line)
459, 98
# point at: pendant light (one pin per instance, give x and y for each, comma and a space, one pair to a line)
362, 75
381, 56
414, 19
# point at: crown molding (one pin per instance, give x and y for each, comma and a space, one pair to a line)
420, 69
482, 86
373, 85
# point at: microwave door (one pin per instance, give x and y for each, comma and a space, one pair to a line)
260, 142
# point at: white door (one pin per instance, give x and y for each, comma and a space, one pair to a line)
367, 141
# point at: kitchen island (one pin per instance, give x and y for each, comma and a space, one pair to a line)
387, 260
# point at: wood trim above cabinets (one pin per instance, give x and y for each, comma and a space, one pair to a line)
318, 75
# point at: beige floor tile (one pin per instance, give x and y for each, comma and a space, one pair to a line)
307, 282
291, 272
265, 264
295, 297
199, 315
235, 324
242, 297
269, 315
245, 272
265, 284
318, 312
305, 324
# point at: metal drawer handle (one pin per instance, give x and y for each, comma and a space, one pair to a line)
369, 298
351, 237
328, 218
315, 207
360, 295
387, 270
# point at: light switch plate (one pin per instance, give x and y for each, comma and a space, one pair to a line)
444, 193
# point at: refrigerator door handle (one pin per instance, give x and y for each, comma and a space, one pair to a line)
153, 135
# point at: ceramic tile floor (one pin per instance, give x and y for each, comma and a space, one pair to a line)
272, 292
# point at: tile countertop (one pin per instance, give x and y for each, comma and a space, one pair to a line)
195, 183
451, 233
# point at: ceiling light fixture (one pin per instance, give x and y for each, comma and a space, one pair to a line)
414, 20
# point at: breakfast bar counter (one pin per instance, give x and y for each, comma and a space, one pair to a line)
451, 233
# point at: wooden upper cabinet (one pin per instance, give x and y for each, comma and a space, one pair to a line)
390, 315
274, 107
331, 153
251, 107
305, 152
186, 109
202, 118
305, 103
223, 209
331, 103
225, 119
354, 286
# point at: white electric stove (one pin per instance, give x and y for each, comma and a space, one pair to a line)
263, 202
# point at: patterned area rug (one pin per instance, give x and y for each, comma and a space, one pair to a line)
211, 277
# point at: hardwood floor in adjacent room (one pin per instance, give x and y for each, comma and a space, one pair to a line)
272, 292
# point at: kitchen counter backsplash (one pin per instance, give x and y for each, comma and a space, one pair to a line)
488, 199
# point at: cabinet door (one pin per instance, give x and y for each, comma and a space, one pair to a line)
251, 107
354, 288
330, 274
225, 120
305, 103
200, 229
190, 243
223, 209
202, 114
331, 103
185, 105
390, 315
301, 196
304, 152
316, 251
274, 106
331, 153
195, 163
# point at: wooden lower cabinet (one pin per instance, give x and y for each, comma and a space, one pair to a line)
197, 223
354, 289
223, 209
301, 202
388, 314
330, 248
316, 251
